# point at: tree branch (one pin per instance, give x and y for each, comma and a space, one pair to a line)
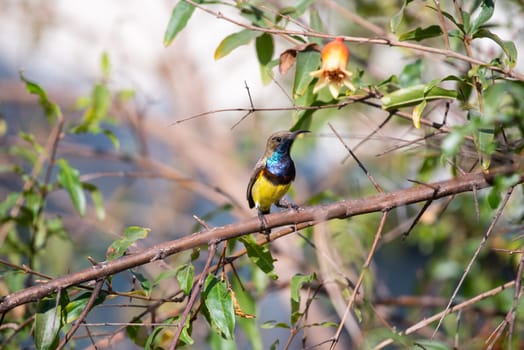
305, 217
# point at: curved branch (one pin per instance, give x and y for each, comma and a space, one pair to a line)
305, 217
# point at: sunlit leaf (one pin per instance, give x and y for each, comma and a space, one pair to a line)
105, 64
260, 255
487, 8
417, 113
232, 41
509, 48
69, 179
97, 198
306, 61
131, 235
185, 276
51, 109
295, 285
179, 17
414, 95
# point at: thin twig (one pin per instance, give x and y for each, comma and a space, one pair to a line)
250, 111
442, 23
422, 211
429, 320
83, 315
198, 287
360, 164
475, 255
378, 235
365, 139
516, 297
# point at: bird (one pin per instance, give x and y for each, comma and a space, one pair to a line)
272, 175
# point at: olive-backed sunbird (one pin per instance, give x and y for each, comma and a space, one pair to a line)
273, 173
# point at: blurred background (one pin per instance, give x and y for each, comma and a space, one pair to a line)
168, 169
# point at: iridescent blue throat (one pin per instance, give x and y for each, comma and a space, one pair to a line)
280, 163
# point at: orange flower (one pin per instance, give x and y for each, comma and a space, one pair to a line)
333, 73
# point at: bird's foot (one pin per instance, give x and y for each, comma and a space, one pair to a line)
283, 203
263, 226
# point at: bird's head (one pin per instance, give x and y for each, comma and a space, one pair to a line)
281, 141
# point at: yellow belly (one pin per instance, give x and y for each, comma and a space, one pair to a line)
265, 193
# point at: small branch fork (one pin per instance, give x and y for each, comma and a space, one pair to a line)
306, 217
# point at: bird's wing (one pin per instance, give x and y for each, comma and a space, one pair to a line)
258, 168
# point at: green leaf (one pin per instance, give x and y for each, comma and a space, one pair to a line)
185, 276
451, 144
306, 61
185, 336
69, 179
139, 334
315, 22
51, 109
74, 309
3, 127
105, 65
419, 34
9, 202
509, 48
101, 100
260, 255
265, 48
97, 198
504, 101
397, 17
414, 95
179, 17
48, 321
411, 74
112, 137
248, 305
486, 12
274, 324
131, 235
30, 138
296, 284
219, 304
417, 113
301, 6
501, 184
232, 41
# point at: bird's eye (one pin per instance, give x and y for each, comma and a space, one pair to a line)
278, 139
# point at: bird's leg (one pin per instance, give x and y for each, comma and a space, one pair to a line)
263, 224
283, 203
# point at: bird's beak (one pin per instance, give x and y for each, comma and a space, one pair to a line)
294, 134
